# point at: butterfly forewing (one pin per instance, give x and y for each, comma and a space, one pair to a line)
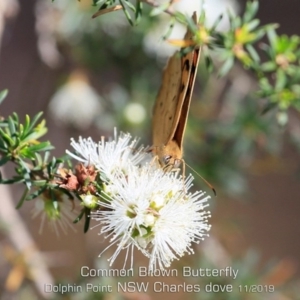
172, 105
164, 122
191, 64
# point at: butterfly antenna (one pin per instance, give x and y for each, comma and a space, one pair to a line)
210, 185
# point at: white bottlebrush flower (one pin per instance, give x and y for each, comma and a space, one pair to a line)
182, 221
76, 103
59, 215
86, 150
142, 206
109, 157
149, 212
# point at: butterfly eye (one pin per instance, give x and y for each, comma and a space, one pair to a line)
167, 159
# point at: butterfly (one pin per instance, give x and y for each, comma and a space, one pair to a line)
172, 105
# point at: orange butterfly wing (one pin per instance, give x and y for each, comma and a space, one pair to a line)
191, 65
172, 105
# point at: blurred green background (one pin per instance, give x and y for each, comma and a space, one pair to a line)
89, 76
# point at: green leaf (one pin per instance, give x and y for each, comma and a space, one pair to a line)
3, 147
268, 50
3, 95
127, 14
253, 53
281, 80
191, 24
251, 10
38, 159
6, 138
15, 117
4, 160
46, 157
202, 16
27, 124
40, 182
15, 179
66, 192
180, 17
51, 165
218, 40
259, 34
21, 130
265, 85
226, 66
79, 216
34, 121
11, 125
217, 22
273, 37
231, 18
253, 24
158, 10
130, 5
87, 213
55, 202
35, 135
268, 66
25, 173
139, 11
103, 6
208, 63
170, 28
268, 107
43, 146
237, 22
22, 199
36, 193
